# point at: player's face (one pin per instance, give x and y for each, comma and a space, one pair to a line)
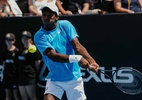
49, 19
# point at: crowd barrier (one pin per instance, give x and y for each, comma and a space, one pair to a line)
114, 40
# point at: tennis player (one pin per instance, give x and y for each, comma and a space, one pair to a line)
57, 41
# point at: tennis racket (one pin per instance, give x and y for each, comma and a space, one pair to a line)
131, 85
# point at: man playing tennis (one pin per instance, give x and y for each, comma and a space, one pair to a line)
57, 41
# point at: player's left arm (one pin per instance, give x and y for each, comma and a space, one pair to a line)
80, 49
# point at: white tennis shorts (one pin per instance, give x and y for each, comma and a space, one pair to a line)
74, 89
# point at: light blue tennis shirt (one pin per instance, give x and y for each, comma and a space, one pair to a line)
58, 39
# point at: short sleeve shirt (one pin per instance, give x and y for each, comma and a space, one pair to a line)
58, 39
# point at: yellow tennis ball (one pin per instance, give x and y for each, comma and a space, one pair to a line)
32, 49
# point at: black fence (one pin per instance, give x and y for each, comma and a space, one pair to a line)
114, 40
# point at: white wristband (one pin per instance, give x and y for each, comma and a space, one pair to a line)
74, 58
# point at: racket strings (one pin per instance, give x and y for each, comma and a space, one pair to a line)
134, 87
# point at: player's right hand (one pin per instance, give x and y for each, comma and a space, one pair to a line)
83, 63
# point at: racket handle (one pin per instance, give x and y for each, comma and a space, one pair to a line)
99, 71
95, 72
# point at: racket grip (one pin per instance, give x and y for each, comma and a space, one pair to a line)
99, 71
95, 72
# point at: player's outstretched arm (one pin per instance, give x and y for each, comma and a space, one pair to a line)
81, 50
